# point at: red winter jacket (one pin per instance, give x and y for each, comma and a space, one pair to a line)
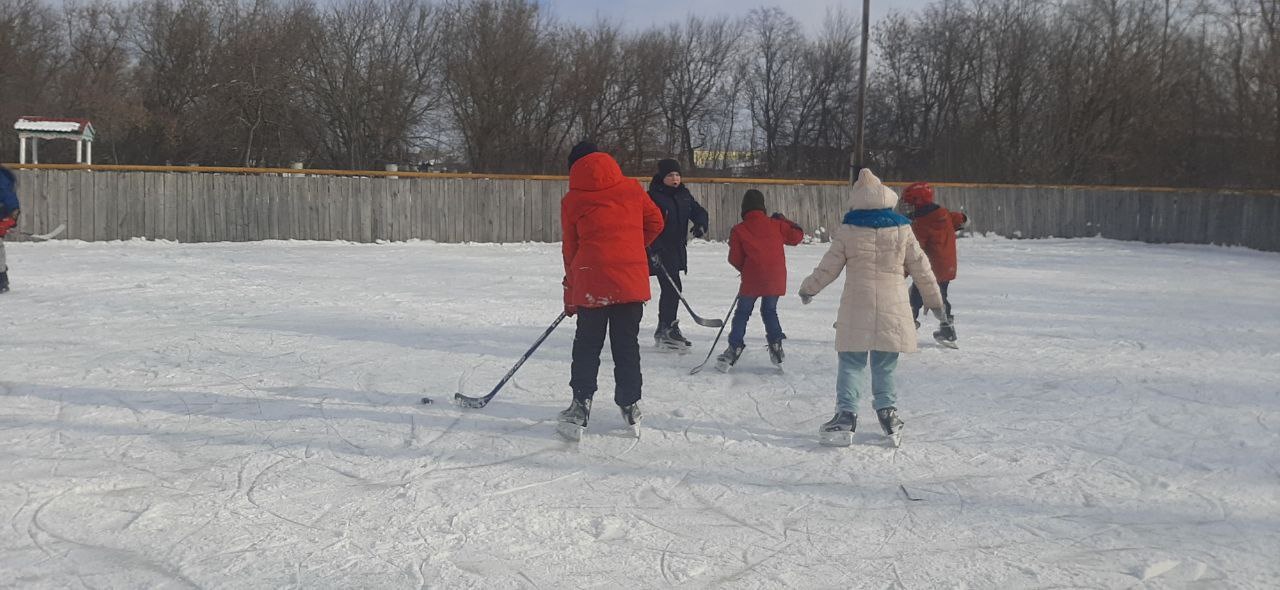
607, 221
755, 249
935, 229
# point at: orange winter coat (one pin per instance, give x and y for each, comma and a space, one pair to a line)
607, 221
935, 229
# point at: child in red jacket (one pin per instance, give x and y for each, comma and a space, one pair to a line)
935, 228
607, 221
755, 249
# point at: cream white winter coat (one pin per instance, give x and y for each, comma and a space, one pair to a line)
875, 309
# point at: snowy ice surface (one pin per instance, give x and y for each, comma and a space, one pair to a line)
246, 415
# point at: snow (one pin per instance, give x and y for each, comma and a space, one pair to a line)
245, 415
47, 126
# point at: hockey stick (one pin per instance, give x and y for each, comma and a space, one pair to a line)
697, 319
480, 402
694, 371
57, 231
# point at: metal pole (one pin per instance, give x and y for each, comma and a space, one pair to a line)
856, 160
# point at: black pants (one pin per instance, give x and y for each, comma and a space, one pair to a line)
917, 300
669, 301
622, 323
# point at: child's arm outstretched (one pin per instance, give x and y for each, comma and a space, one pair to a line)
830, 267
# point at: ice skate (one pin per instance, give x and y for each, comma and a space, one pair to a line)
669, 338
838, 431
572, 422
775, 353
729, 358
946, 333
891, 424
631, 415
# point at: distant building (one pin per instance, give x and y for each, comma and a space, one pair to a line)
34, 129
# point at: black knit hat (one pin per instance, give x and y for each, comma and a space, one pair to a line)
667, 166
753, 200
583, 148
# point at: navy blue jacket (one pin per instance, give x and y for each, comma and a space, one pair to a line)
678, 210
8, 193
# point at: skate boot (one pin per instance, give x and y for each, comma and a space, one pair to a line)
573, 420
673, 334
838, 431
775, 353
631, 415
670, 338
728, 358
891, 424
946, 334
4, 281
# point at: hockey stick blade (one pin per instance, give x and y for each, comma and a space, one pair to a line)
467, 401
480, 402
697, 319
57, 231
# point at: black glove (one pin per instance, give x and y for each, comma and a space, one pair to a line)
699, 231
778, 215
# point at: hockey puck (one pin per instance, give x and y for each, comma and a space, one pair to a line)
426, 400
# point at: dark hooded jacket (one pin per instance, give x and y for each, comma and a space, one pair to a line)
678, 211
8, 193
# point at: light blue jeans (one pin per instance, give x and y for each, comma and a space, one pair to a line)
851, 380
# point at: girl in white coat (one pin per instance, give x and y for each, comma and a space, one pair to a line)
877, 248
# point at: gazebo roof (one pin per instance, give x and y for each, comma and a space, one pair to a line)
49, 126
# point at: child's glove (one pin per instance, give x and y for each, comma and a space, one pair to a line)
699, 231
570, 310
7, 224
805, 298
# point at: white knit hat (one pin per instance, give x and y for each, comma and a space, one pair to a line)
870, 193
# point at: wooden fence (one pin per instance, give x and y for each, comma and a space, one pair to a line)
198, 205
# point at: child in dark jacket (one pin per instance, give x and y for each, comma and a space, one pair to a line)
755, 249
935, 228
8, 218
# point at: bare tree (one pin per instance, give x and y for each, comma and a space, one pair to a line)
30, 57
701, 50
504, 77
370, 78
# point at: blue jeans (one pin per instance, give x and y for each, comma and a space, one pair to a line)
850, 381
768, 313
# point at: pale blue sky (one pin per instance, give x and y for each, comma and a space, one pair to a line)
639, 14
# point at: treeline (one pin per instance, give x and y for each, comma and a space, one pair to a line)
1158, 92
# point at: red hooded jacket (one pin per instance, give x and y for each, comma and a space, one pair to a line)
935, 229
755, 249
607, 221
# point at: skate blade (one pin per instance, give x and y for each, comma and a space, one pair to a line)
947, 343
634, 430
840, 438
895, 439
570, 431
723, 367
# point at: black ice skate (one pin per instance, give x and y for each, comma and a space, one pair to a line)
669, 338
4, 281
775, 353
891, 424
946, 334
729, 358
631, 415
838, 431
573, 420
